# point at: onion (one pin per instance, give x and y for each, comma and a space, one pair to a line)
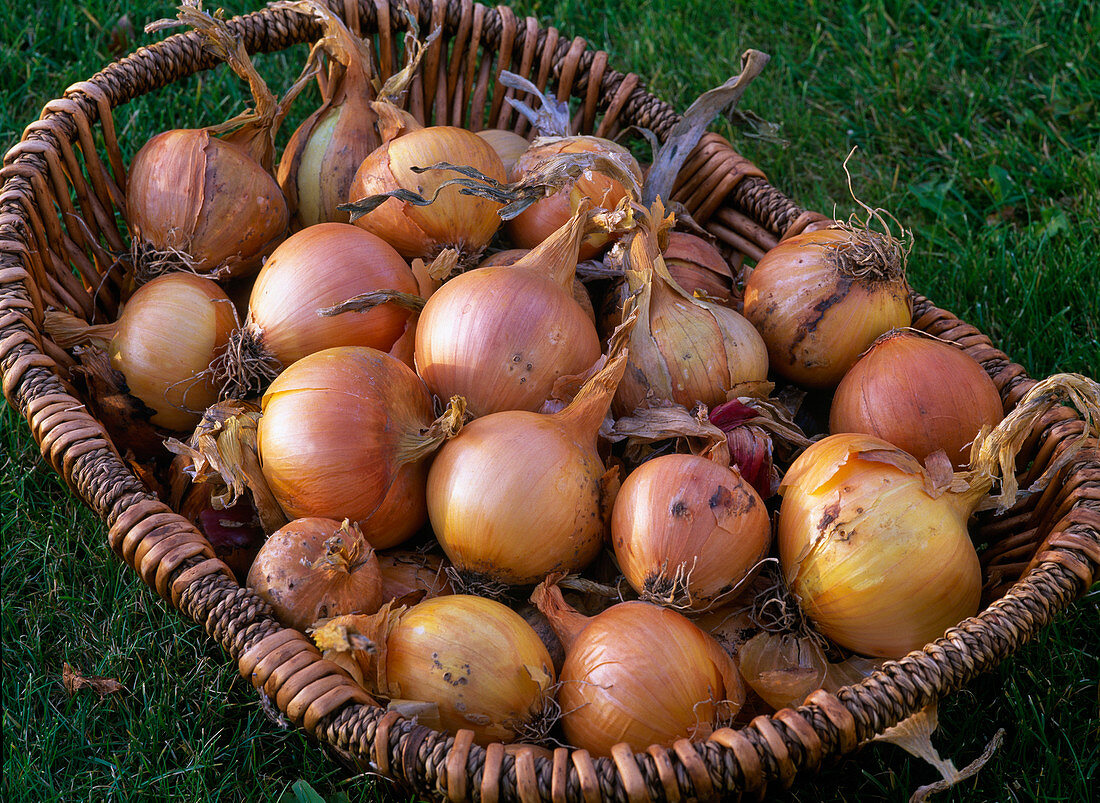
821, 298
473, 661
541, 219
185, 185
315, 269
322, 155
508, 144
640, 674
687, 531
875, 547
502, 336
453, 220
315, 569
517, 494
698, 267
346, 433
164, 342
918, 393
683, 349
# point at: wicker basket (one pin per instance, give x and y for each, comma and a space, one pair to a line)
44, 235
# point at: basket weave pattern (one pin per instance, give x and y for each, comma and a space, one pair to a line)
1052, 539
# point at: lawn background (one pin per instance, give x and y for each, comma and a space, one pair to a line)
977, 126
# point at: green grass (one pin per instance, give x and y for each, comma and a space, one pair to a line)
977, 125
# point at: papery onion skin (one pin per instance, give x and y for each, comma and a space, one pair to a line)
328, 437
687, 530
319, 267
458, 221
697, 266
815, 319
878, 564
169, 333
183, 187
544, 217
301, 594
477, 659
501, 337
644, 675
918, 393
405, 572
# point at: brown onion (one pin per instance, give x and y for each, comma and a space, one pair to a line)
683, 349
465, 223
875, 548
314, 269
687, 531
821, 298
321, 158
502, 336
164, 343
542, 218
506, 471
315, 569
346, 433
639, 674
918, 393
205, 204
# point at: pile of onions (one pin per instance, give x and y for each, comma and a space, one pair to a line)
640, 674
346, 433
920, 394
451, 220
313, 270
687, 531
184, 186
318, 163
164, 343
315, 569
821, 298
502, 336
682, 349
875, 547
518, 495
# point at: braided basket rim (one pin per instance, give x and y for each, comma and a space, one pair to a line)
148, 537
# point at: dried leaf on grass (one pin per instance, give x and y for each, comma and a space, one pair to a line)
74, 682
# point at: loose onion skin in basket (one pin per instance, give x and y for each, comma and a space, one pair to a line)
345, 433
875, 548
819, 301
640, 674
918, 393
687, 531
